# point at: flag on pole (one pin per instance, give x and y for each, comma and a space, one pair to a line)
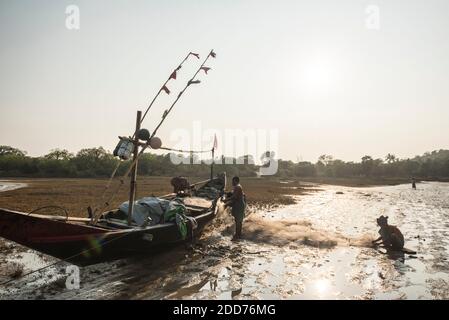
173, 75
193, 82
205, 69
167, 91
194, 54
215, 142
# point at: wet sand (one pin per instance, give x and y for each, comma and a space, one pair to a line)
317, 248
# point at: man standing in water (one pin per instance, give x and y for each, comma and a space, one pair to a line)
413, 183
237, 203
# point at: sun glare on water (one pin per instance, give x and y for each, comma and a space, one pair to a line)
322, 287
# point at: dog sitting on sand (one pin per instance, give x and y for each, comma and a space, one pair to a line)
390, 236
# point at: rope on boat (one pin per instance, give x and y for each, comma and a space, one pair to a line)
110, 179
108, 185
48, 207
184, 151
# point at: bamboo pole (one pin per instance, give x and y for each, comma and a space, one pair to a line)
212, 165
132, 187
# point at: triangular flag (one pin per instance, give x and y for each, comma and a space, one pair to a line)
173, 75
195, 54
205, 69
167, 91
213, 54
193, 82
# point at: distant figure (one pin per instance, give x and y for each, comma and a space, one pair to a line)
180, 184
237, 202
390, 236
413, 183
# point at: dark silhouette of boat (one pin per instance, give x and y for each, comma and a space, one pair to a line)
79, 241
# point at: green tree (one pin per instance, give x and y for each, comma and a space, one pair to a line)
10, 151
367, 165
94, 162
390, 158
325, 159
58, 154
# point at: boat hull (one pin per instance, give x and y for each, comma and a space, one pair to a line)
83, 244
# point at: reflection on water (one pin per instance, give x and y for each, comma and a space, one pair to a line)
286, 254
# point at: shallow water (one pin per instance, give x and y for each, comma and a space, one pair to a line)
315, 249
6, 185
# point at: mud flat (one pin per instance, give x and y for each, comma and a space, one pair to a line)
316, 248
76, 194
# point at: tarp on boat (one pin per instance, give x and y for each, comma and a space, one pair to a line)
153, 210
150, 211
211, 190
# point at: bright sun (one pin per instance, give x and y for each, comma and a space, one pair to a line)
317, 75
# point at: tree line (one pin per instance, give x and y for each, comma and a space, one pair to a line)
98, 162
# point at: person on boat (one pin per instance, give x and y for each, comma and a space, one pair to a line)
237, 202
180, 185
413, 183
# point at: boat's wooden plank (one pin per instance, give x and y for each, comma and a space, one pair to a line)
60, 218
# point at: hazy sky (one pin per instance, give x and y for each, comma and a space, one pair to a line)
311, 69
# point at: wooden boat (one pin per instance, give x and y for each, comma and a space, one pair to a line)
103, 237
79, 241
